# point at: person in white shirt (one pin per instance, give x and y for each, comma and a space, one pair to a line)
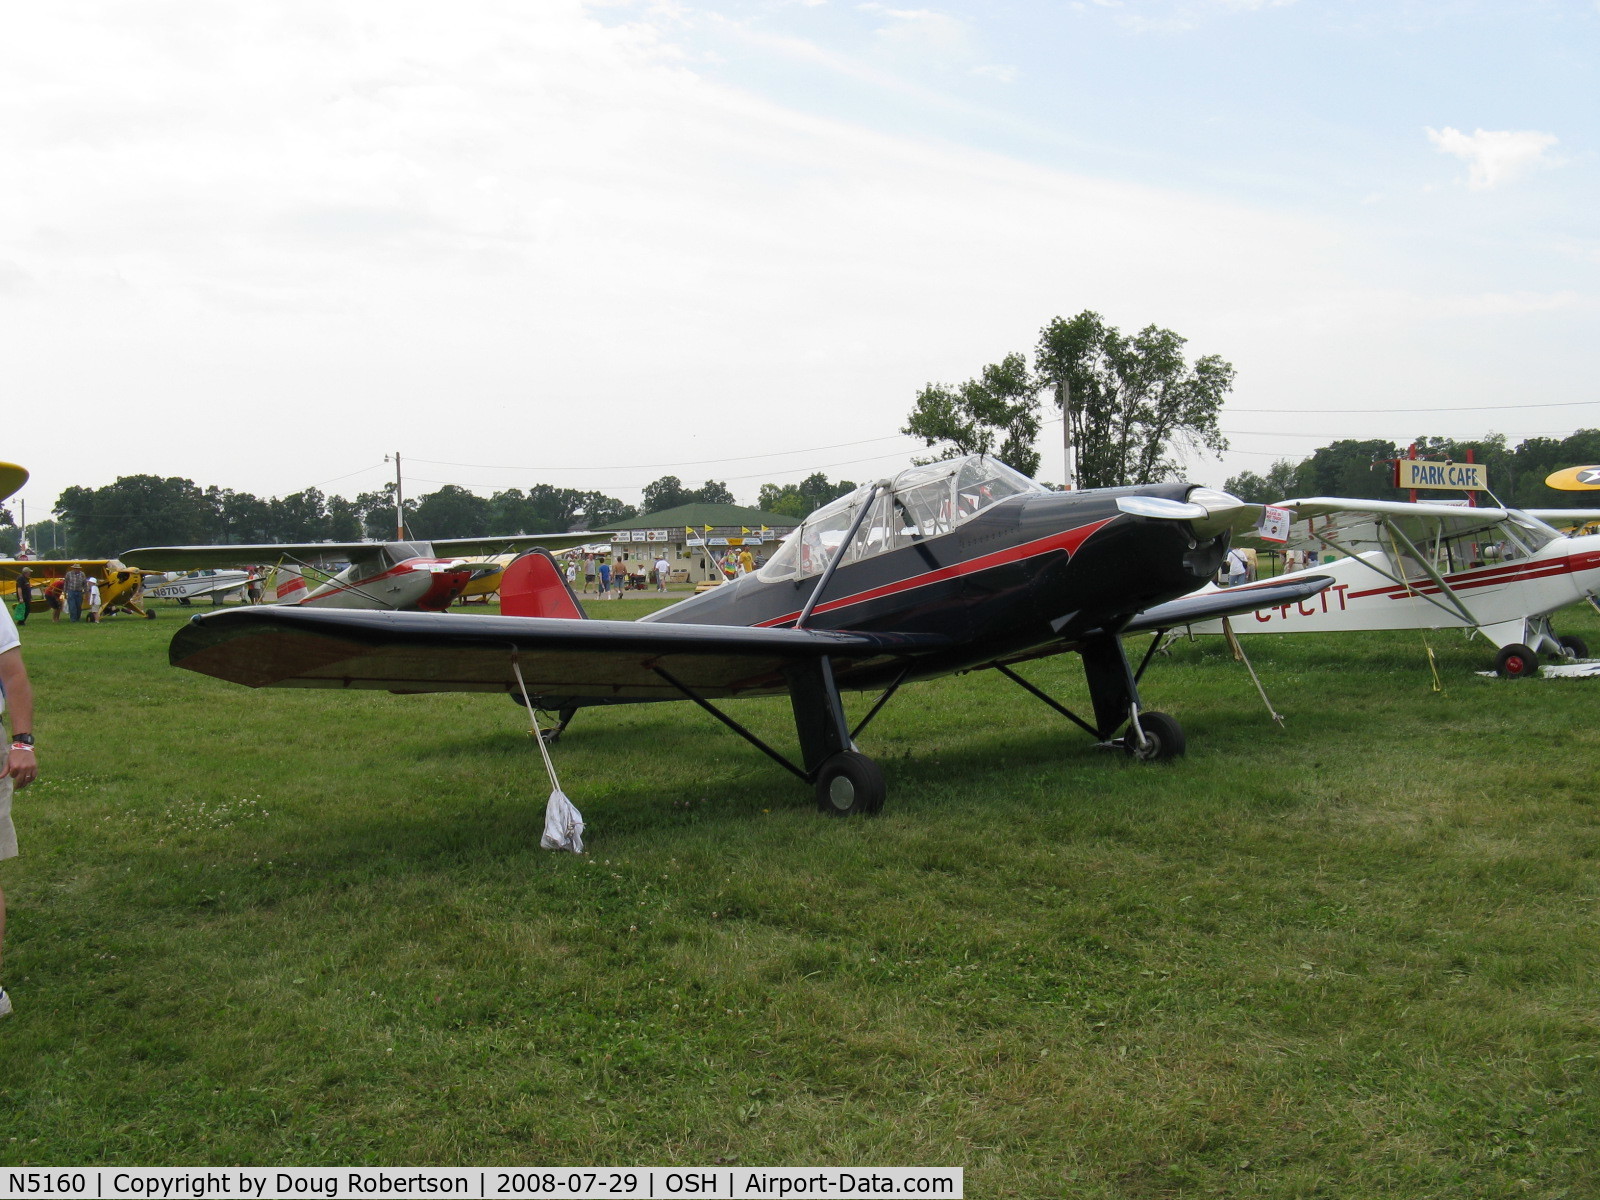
21, 769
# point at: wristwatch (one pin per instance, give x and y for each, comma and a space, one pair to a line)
22, 739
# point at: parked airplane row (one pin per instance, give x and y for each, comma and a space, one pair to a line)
958, 566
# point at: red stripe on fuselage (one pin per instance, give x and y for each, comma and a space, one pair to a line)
1068, 541
1468, 580
410, 566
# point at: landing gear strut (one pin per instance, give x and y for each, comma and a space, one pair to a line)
1162, 738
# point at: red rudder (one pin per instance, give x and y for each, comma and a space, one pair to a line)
533, 586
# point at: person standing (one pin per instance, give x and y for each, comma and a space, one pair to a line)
252, 587
75, 586
21, 769
24, 593
94, 601
662, 567
605, 579
1236, 568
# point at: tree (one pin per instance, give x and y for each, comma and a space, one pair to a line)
377, 512
1351, 468
299, 517
344, 520
451, 512
669, 492
1281, 482
599, 510
804, 498
666, 492
240, 517
136, 510
1136, 403
1000, 406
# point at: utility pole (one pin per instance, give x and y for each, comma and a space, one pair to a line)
399, 509
1064, 399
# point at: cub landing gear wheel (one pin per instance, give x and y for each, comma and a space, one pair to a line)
848, 784
1574, 647
1163, 739
1516, 661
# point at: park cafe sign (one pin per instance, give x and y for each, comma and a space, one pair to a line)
1460, 477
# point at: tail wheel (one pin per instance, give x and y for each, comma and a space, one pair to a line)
1163, 739
1516, 661
1574, 646
850, 784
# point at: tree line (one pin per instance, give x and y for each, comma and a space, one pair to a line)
147, 510
1364, 470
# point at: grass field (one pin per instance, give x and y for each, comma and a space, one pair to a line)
1353, 958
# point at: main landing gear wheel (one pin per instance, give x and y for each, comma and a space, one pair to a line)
1574, 646
1163, 739
849, 784
1516, 661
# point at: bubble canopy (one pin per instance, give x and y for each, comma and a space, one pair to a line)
917, 504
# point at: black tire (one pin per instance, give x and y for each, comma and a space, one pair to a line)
1574, 646
1163, 739
850, 784
1516, 661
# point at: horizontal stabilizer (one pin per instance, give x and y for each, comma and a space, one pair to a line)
584, 661
1229, 602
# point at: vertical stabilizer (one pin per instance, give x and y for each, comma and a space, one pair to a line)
533, 586
291, 586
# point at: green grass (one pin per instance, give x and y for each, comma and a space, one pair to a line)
1352, 958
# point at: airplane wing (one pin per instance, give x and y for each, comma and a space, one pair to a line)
1227, 602
482, 547
196, 558
590, 661
45, 569
1366, 524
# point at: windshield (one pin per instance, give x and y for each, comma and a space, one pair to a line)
919, 503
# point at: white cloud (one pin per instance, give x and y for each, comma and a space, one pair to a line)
997, 72
532, 237
921, 29
1494, 157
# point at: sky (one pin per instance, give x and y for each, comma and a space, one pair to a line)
594, 243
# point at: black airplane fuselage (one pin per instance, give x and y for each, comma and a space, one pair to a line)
1030, 571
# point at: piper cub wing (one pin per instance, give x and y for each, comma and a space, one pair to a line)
1498, 572
958, 566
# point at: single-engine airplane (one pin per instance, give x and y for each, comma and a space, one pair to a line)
370, 575
121, 588
956, 566
197, 585
1498, 572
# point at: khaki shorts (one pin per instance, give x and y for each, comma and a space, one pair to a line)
8, 831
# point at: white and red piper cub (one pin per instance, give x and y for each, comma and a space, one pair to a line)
1498, 572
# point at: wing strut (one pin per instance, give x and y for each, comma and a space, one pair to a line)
1458, 611
1050, 700
691, 694
882, 700
1433, 574
838, 557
